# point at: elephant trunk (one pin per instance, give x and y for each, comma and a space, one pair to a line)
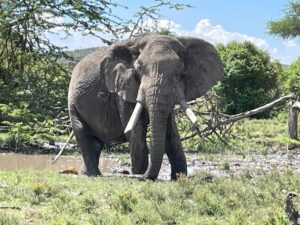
159, 110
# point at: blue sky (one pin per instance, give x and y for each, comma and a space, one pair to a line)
217, 21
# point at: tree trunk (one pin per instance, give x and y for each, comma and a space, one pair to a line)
293, 120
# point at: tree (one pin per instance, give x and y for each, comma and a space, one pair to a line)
250, 78
289, 25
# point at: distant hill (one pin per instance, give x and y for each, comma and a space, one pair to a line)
76, 55
80, 53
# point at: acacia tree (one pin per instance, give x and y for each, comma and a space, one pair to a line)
24, 26
289, 25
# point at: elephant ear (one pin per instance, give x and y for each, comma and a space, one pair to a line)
120, 78
202, 67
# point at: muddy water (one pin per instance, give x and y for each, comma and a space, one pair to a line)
13, 161
215, 164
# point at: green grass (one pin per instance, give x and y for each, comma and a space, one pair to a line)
52, 198
264, 135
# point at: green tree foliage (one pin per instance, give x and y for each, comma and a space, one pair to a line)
292, 76
289, 25
250, 78
33, 84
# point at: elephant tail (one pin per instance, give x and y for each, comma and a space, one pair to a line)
63, 148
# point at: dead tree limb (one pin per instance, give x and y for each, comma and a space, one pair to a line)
263, 108
222, 122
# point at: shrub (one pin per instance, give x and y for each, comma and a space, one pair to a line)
292, 74
250, 78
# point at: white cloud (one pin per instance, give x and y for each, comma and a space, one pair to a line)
167, 24
216, 34
290, 43
289, 53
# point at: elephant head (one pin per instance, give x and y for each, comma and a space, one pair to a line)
156, 72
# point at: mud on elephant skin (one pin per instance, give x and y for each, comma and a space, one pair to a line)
133, 84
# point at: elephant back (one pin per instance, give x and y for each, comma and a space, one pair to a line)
86, 73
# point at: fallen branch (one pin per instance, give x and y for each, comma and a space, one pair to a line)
262, 108
223, 120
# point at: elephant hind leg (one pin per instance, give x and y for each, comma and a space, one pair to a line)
174, 150
90, 148
89, 145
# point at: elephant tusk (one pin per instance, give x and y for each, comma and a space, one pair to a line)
134, 117
188, 111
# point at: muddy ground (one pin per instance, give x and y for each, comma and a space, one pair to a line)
118, 164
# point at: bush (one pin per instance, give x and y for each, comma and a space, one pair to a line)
250, 78
292, 74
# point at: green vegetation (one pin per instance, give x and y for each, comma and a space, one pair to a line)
250, 78
292, 74
50, 198
289, 25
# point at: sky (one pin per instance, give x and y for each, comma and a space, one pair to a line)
216, 21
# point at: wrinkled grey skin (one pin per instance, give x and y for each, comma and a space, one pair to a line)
155, 70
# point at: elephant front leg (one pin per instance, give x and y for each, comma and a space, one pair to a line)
136, 137
138, 148
174, 150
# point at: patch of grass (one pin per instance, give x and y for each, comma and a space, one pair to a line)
8, 218
262, 135
203, 199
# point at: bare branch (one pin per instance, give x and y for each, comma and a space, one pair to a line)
219, 124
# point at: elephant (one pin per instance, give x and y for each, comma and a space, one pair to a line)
133, 84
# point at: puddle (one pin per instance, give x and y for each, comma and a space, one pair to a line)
13, 161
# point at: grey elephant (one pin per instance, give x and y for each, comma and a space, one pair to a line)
135, 83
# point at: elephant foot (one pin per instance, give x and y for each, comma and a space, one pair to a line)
175, 176
149, 176
91, 172
177, 172
145, 178
139, 169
